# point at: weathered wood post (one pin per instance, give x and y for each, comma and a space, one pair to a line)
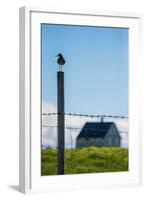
60, 121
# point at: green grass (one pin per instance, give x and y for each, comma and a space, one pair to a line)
86, 160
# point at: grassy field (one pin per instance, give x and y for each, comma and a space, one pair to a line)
86, 160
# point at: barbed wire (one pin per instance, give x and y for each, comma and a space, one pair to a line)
78, 128
86, 115
74, 130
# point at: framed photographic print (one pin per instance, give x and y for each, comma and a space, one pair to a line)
80, 98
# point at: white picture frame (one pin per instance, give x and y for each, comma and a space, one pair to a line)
29, 160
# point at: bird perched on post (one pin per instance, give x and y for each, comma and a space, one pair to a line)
60, 61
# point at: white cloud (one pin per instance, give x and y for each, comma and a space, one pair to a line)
123, 127
49, 134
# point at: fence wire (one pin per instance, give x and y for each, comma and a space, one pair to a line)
73, 164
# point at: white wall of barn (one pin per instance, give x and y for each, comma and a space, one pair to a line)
113, 137
9, 85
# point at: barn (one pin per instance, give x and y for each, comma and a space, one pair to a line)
100, 134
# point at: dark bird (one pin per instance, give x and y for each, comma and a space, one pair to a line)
60, 61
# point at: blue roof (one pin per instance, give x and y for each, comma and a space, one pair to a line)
95, 129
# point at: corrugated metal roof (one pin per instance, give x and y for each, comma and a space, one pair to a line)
95, 129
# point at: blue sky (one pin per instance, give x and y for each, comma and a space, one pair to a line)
96, 69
